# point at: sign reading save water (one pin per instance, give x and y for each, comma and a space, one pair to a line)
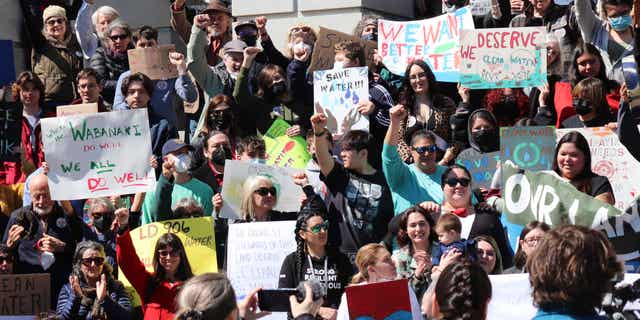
98, 155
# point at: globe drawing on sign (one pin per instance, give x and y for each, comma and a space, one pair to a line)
526, 155
604, 168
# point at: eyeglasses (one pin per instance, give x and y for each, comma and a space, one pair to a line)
532, 241
117, 37
488, 253
421, 150
265, 191
319, 227
418, 76
167, 253
298, 29
52, 22
6, 259
452, 182
88, 261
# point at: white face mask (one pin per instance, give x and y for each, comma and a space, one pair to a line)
47, 259
302, 46
338, 65
182, 162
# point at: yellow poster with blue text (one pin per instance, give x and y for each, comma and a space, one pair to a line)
197, 236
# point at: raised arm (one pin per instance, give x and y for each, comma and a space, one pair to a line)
586, 18
179, 22
184, 87
325, 161
87, 39
197, 57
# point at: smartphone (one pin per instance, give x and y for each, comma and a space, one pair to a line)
275, 300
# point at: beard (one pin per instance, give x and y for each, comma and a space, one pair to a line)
43, 211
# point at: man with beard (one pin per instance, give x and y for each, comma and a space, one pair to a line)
43, 236
418, 182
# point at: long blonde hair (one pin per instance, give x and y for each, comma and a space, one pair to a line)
367, 255
247, 207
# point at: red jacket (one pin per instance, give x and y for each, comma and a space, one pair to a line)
160, 304
10, 171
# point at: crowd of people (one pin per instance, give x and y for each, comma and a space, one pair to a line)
380, 204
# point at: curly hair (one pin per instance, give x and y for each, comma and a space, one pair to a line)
403, 236
463, 292
572, 267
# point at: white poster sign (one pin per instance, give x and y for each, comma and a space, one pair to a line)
98, 155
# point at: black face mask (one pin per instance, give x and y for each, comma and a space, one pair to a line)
220, 155
103, 222
250, 40
506, 110
583, 107
278, 88
219, 121
487, 139
370, 37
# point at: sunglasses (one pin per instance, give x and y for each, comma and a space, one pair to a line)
265, 191
118, 37
421, 150
319, 227
52, 22
88, 261
452, 182
298, 29
6, 259
167, 253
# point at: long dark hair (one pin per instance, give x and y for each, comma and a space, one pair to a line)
520, 259
403, 236
314, 208
462, 291
184, 268
586, 48
407, 97
582, 181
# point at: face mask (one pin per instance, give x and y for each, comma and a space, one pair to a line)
182, 163
620, 23
338, 65
219, 122
370, 37
220, 155
47, 259
302, 46
278, 88
507, 110
258, 161
250, 40
486, 139
583, 107
103, 223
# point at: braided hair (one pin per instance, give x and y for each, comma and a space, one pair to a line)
462, 292
314, 208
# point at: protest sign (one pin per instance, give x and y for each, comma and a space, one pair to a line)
339, 92
258, 250
543, 196
196, 234
530, 148
481, 166
630, 72
503, 58
285, 151
323, 54
433, 40
25, 294
480, 7
153, 62
380, 301
98, 155
10, 130
609, 158
7, 62
70, 110
237, 172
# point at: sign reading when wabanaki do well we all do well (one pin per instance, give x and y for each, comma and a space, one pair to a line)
98, 155
503, 58
433, 40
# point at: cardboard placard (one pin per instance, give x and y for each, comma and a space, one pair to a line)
153, 62
338, 92
380, 300
503, 58
74, 109
98, 155
434, 41
323, 55
25, 294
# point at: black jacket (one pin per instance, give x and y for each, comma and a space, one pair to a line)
109, 67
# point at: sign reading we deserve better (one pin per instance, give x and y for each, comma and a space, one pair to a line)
433, 40
338, 92
503, 58
98, 155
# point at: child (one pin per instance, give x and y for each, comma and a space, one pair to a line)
448, 229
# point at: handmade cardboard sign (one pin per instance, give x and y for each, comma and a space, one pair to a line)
153, 62
70, 110
323, 54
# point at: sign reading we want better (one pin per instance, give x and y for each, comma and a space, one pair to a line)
98, 155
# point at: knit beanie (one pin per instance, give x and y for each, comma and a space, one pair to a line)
53, 11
